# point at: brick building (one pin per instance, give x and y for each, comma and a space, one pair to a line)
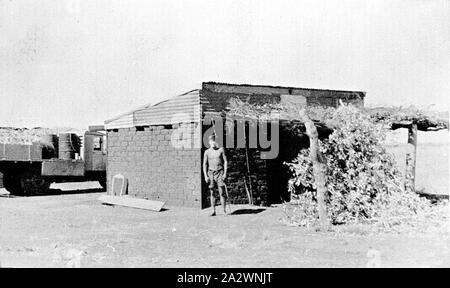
159, 147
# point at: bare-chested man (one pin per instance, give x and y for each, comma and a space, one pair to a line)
215, 171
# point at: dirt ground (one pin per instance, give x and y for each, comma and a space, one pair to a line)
76, 230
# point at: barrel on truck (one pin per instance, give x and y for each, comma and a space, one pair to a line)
29, 169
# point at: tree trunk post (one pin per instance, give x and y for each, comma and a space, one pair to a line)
319, 170
410, 175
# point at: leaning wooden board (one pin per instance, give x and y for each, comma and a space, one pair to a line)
132, 202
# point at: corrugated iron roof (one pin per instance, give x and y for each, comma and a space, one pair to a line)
184, 108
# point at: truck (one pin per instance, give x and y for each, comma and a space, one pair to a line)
30, 169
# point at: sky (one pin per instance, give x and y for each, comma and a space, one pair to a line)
77, 63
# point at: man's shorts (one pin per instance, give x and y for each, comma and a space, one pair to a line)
215, 177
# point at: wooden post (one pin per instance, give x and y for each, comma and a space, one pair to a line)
410, 174
319, 170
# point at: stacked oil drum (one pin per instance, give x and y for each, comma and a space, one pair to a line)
62, 146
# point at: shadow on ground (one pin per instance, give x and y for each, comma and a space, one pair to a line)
247, 211
52, 192
55, 192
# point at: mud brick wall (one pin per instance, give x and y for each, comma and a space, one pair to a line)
215, 97
330, 98
155, 169
218, 102
237, 172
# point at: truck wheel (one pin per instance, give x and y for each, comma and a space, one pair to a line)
33, 183
11, 182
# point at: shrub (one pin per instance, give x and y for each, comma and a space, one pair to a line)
363, 182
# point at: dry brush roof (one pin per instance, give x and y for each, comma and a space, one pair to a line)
394, 117
400, 117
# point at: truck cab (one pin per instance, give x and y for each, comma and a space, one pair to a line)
94, 154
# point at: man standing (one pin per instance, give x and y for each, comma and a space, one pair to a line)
215, 171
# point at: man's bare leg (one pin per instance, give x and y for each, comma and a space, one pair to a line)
222, 200
213, 202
